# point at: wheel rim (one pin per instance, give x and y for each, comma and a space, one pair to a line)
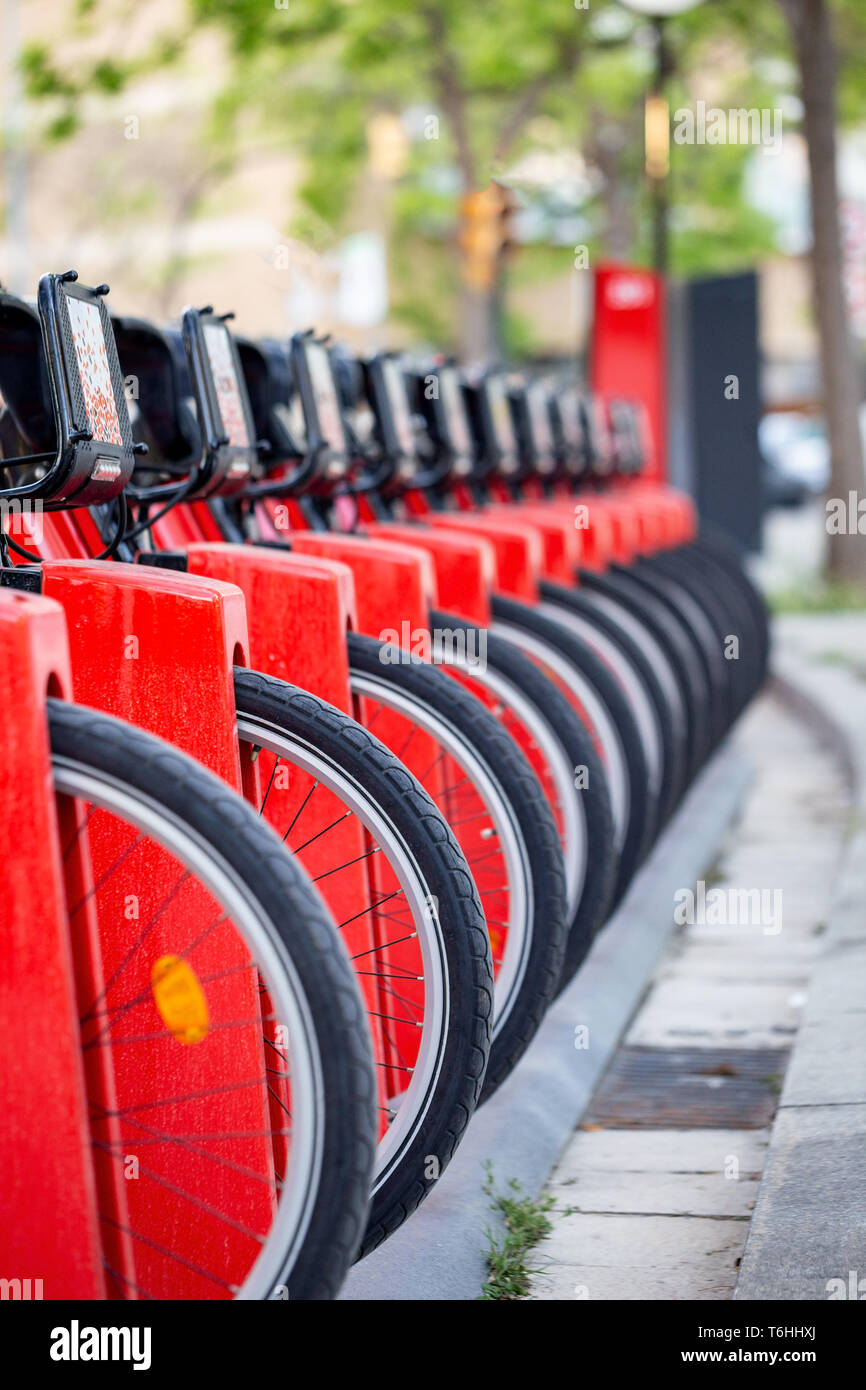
572, 679
516, 937
515, 708
281, 1243
412, 1103
629, 680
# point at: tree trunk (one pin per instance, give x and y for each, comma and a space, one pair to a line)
478, 325
810, 23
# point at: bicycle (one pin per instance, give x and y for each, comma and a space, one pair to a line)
212, 1083
441, 947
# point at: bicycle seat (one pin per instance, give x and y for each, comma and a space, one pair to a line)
570, 431
446, 446
530, 401
290, 464
161, 406
26, 412
496, 445
625, 429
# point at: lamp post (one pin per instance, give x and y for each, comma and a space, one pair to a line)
657, 120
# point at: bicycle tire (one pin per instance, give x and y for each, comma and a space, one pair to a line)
90, 748
529, 629
555, 727
470, 729
272, 713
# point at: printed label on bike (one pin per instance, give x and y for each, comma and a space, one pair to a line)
537, 401
94, 371
501, 413
228, 392
455, 410
325, 396
396, 388
180, 999
569, 410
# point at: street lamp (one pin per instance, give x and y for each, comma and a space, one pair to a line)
657, 125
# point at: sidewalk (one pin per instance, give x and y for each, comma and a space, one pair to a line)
808, 1235
440, 1253
656, 1190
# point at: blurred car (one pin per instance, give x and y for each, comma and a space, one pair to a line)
796, 457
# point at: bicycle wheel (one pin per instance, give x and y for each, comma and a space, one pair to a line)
658, 708
715, 544
537, 716
721, 592
493, 803
705, 636
668, 644
227, 1068
588, 684
407, 909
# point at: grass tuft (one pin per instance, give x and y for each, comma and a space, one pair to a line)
824, 596
526, 1223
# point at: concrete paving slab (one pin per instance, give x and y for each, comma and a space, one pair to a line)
751, 960
809, 1226
681, 1247
564, 1282
655, 1194
810, 1222
662, 1151
838, 984
730, 988
713, 1015
826, 1066
439, 1254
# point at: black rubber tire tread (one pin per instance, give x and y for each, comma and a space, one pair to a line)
673, 740
241, 840
406, 804
510, 771
718, 544
682, 601
676, 641
593, 908
731, 582
642, 816
713, 589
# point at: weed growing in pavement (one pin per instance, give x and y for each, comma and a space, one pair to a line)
526, 1223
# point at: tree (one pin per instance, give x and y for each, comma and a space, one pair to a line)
811, 24
484, 84
485, 69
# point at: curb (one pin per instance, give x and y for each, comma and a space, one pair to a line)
809, 1226
439, 1253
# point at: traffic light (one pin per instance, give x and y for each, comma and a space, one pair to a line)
485, 233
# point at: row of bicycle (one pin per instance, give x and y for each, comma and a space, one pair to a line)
454, 661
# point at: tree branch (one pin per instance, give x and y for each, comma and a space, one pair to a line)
452, 94
568, 64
